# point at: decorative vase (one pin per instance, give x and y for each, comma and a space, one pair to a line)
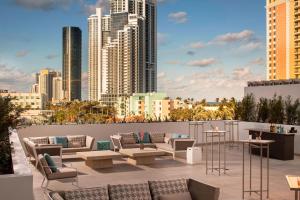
141, 146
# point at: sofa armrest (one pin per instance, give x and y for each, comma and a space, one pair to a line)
201, 191
90, 142
182, 144
52, 150
116, 141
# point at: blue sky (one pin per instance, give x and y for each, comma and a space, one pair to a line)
206, 48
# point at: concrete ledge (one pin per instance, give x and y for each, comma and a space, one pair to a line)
20, 184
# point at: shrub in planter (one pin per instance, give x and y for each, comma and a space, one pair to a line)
263, 110
8, 118
276, 106
291, 109
247, 112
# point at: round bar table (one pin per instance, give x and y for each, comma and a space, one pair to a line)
215, 134
261, 145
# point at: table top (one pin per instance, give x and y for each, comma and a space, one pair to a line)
98, 155
257, 141
293, 182
136, 152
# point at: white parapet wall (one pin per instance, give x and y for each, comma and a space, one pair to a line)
20, 184
103, 131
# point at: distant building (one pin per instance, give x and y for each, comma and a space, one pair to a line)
35, 88
58, 94
71, 76
45, 82
26, 100
122, 50
267, 89
283, 44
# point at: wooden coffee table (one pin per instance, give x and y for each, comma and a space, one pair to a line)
99, 159
294, 185
141, 157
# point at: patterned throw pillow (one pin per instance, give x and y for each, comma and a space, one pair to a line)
157, 137
77, 138
159, 188
100, 193
127, 138
39, 140
129, 192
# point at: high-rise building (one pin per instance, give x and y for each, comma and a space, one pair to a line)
57, 90
122, 50
45, 80
72, 63
283, 39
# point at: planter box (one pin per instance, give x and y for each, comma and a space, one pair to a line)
20, 184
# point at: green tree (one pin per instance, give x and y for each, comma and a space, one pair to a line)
248, 108
291, 109
276, 110
263, 110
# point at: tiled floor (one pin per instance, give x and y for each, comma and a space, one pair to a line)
166, 168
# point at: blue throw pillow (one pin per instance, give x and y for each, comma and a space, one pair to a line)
146, 138
184, 136
176, 136
61, 140
50, 162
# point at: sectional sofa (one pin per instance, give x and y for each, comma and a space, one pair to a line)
178, 189
57, 145
168, 142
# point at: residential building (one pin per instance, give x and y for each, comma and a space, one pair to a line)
267, 89
45, 83
283, 39
71, 75
122, 50
162, 108
35, 88
26, 100
138, 104
57, 90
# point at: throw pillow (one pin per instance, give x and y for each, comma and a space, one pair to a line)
177, 196
159, 188
44, 164
39, 140
50, 162
184, 136
86, 194
146, 138
77, 138
129, 191
176, 136
157, 137
61, 140
51, 139
74, 144
127, 138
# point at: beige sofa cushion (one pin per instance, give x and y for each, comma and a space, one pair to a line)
72, 150
127, 138
157, 137
100, 193
166, 187
39, 140
129, 192
73, 140
131, 146
164, 146
62, 173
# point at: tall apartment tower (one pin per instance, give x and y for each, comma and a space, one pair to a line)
71, 76
57, 94
123, 50
283, 39
45, 82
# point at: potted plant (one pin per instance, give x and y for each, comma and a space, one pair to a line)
142, 134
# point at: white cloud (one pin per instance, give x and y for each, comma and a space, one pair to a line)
250, 46
196, 45
233, 37
178, 17
51, 56
91, 8
210, 85
14, 79
22, 53
202, 62
258, 61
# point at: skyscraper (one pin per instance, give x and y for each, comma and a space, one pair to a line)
45, 82
283, 39
72, 63
122, 50
57, 94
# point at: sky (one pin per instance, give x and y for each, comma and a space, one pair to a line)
206, 48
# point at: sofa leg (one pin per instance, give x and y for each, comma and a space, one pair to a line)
174, 157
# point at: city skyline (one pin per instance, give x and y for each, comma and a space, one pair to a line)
211, 59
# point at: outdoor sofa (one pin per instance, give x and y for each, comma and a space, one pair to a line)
57, 145
167, 142
178, 189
